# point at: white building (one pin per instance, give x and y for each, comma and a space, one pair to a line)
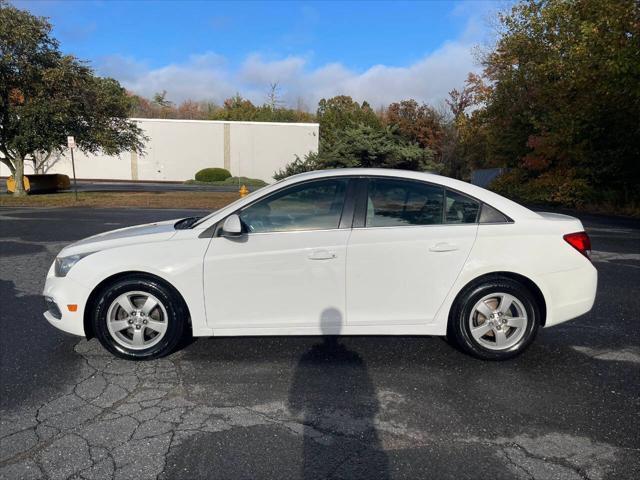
177, 149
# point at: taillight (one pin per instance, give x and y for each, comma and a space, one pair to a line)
580, 241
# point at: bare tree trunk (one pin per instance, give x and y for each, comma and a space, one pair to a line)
18, 176
40, 161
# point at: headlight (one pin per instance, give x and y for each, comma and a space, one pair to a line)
64, 264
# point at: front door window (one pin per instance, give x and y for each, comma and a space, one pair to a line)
313, 205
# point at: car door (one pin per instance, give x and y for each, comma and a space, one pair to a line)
288, 268
409, 243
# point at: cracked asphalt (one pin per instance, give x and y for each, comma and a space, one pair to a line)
302, 407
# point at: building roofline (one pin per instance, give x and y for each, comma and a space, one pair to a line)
222, 122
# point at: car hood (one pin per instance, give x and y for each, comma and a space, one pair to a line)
150, 232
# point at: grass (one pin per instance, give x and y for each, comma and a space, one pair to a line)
205, 200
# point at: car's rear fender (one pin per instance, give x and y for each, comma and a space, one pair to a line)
536, 251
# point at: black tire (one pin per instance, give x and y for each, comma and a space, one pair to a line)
459, 327
176, 313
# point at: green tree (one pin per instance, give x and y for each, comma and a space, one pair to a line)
367, 147
464, 139
162, 106
565, 97
160, 99
337, 114
238, 108
45, 96
309, 163
376, 147
352, 135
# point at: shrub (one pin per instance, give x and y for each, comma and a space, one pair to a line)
249, 182
299, 165
212, 175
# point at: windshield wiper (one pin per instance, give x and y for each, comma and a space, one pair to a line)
185, 223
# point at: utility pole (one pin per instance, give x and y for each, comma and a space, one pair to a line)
71, 143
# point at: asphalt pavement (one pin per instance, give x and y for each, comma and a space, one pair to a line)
302, 407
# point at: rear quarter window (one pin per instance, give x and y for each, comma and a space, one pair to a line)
491, 215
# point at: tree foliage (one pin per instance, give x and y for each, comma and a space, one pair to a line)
359, 139
376, 147
308, 163
46, 96
236, 108
240, 109
417, 123
564, 100
337, 114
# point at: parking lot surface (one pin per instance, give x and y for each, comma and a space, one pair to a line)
304, 407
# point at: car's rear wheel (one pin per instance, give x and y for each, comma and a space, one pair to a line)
494, 320
139, 318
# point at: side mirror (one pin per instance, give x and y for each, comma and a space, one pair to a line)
232, 226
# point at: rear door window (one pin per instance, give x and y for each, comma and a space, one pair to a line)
460, 208
393, 202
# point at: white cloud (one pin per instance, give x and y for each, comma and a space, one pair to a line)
202, 76
208, 76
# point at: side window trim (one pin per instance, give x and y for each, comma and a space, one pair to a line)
360, 196
349, 206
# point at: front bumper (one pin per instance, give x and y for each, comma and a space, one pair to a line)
64, 291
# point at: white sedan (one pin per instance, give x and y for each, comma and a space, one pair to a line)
349, 251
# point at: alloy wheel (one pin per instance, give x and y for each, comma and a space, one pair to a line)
137, 320
498, 321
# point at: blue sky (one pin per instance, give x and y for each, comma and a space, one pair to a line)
379, 51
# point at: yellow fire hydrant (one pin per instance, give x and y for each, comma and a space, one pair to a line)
243, 191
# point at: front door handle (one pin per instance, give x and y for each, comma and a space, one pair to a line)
443, 247
322, 254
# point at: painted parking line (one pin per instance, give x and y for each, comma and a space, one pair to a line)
623, 231
609, 257
628, 354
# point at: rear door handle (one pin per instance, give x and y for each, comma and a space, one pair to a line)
322, 255
443, 247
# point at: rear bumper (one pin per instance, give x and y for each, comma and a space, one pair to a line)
63, 292
569, 294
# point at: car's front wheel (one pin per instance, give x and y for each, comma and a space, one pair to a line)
139, 318
495, 320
